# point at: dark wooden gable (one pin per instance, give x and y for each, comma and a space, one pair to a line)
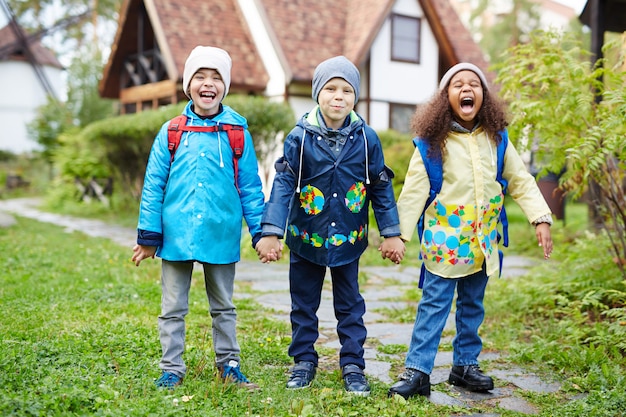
153, 40
137, 72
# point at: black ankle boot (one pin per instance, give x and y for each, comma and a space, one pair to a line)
412, 382
471, 378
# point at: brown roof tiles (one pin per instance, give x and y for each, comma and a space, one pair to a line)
306, 32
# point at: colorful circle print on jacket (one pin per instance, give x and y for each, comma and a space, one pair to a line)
311, 200
355, 197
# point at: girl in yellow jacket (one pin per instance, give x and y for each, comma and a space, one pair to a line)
459, 245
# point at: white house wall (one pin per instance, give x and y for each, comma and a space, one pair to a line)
301, 105
265, 44
401, 82
22, 93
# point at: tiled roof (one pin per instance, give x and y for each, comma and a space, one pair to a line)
11, 49
310, 32
365, 18
306, 33
188, 23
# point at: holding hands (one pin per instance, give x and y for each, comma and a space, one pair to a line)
392, 248
269, 249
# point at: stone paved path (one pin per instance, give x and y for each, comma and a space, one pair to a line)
381, 290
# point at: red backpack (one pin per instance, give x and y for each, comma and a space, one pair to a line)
235, 133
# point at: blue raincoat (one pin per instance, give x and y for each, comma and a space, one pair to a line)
191, 209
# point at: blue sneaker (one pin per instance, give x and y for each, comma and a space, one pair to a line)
232, 373
168, 380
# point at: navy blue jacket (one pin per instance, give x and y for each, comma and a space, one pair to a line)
323, 202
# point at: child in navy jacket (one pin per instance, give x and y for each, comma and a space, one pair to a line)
332, 168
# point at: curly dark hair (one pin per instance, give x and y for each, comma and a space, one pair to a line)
432, 120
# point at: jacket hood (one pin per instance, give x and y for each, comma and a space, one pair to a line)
310, 123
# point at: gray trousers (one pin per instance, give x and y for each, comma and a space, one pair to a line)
175, 284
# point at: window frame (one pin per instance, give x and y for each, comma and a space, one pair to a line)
410, 108
396, 37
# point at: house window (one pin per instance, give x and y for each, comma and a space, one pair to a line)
405, 39
400, 117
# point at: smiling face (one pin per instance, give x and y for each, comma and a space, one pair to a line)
465, 94
336, 100
206, 89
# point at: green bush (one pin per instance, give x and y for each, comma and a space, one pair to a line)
398, 149
119, 146
551, 88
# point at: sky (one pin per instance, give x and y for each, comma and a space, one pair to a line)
577, 5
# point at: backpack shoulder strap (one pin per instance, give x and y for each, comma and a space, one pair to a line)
434, 170
174, 133
235, 133
501, 150
236, 138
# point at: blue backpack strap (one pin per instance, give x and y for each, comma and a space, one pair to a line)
501, 149
434, 170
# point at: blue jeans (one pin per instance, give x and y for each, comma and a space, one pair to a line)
305, 285
432, 313
175, 285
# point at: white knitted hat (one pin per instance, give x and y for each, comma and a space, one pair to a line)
207, 57
463, 66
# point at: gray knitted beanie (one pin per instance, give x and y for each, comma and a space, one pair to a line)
463, 66
336, 67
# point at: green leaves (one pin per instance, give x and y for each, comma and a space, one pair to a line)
551, 88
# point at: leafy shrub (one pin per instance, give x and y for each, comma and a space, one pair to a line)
398, 149
119, 146
551, 88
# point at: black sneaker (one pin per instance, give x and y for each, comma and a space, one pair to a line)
471, 378
412, 382
354, 380
302, 374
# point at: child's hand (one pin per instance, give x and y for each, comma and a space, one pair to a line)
141, 252
392, 248
544, 237
269, 249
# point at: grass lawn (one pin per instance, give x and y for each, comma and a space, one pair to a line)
79, 337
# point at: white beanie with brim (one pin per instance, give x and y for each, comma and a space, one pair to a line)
463, 66
207, 57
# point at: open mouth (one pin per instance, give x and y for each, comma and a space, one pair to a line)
467, 103
206, 94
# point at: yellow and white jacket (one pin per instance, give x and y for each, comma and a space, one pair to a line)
460, 225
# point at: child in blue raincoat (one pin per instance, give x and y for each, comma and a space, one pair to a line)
191, 211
